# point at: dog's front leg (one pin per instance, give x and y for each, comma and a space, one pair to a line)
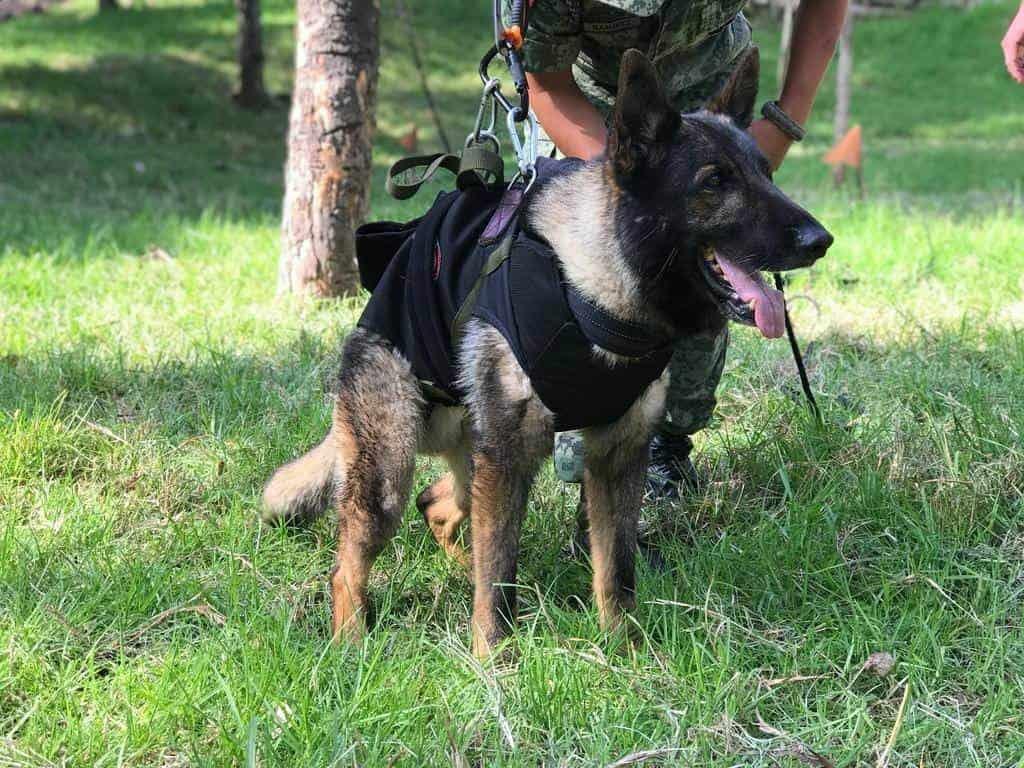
497, 508
511, 435
613, 484
614, 465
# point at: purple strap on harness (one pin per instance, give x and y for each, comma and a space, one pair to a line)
502, 215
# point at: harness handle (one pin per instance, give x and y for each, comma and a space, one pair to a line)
478, 167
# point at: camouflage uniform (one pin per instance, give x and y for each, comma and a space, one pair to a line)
693, 44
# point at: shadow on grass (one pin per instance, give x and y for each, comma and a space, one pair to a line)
137, 128
205, 29
131, 140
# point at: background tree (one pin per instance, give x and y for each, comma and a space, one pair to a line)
109, 5
844, 87
251, 93
331, 126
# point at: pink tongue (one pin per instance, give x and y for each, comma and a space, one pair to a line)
769, 306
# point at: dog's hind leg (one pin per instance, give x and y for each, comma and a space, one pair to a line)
378, 420
445, 504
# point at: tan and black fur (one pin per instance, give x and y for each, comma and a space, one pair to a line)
628, 230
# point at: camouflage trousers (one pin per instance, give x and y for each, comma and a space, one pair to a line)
694, 372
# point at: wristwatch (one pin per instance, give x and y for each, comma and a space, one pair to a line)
775, 114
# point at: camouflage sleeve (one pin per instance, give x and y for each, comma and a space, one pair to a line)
553, 34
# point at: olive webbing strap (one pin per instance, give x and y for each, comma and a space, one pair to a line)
495, 260
477, 167
430, 165
480, 166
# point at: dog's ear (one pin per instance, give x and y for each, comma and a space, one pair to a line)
644, 122
736, 98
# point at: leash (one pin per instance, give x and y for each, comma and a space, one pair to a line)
797, 357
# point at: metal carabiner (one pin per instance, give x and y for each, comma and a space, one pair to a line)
498, 25
479, 134
484, 137
526, 157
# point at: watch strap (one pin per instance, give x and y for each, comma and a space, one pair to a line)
776, 115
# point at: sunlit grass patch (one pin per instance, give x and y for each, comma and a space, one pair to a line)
150, 380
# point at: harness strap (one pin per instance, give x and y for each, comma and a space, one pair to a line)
434, 394
495, 260
477, 167
619, 337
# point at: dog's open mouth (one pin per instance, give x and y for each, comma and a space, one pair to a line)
744, 296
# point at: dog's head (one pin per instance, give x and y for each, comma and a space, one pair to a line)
698, 184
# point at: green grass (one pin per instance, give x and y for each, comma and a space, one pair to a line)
150, 381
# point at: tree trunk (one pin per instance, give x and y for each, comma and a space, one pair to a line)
251, 92
327, 176
844, 86
785, 40
108, 5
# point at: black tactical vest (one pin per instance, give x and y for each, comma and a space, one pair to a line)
430, 275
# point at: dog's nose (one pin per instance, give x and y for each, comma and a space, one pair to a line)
811, 241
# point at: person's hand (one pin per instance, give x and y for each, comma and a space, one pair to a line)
772, 142
1013, 47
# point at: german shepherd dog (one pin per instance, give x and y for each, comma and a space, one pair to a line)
671, 228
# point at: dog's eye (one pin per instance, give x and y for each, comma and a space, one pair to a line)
712, 181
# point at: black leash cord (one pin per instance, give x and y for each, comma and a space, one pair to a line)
797, 357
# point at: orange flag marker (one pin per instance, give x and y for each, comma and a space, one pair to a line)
410, 141
847, 151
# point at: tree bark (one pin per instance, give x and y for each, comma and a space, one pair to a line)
844, 87
251, 94
785, 40
327, 175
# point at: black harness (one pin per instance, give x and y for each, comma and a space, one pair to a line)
469, 257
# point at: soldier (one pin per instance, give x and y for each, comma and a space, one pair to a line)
572, 52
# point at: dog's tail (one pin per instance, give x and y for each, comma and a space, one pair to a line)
301, 490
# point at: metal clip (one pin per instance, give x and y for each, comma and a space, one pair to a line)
526, 148
479, 134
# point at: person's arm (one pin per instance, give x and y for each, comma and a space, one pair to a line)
815, 32
570, 121
1013, 47
550, 48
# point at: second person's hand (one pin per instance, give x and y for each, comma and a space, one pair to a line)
1013, 47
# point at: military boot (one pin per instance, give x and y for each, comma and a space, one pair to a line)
671, 469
